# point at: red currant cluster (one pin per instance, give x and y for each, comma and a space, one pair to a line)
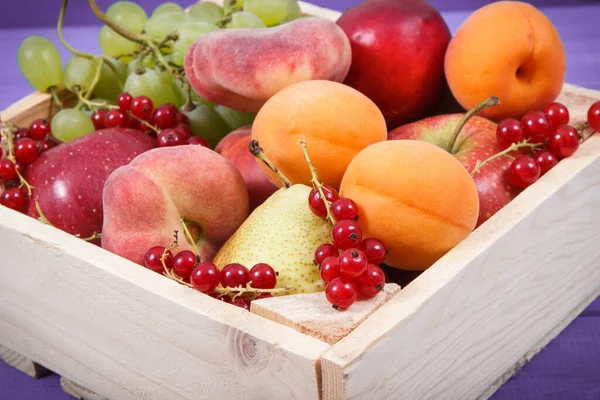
239, 286
24, 147
355, 273
550, 130
170, 126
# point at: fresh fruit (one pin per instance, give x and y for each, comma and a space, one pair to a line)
262, 276
545, 160
13, 198
171, 137
509, 131
69, 178
398, 52
205, 277
508, 49
374, 249
234, 275
271, 12
39, 129
241, 69
524, 171
536, 126
315, 201
557, 113
234, 147
335, 120
245, 20
184, 263
330, 268
69, 124
282, 233
124, 101
344, 209
346, 235
205, 121
149, 199
142, 107
421, 213
324, 251
156, 256
8, 171
207, 12
79, 73
341, 293
189, 32
26, 151
34, 52
150, 84
593, 116
353, 263
564, 141
116, 119
371, 282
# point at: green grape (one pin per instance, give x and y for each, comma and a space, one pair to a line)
207, 12
113, 44
244, 19
150, 84
180, 92
108, 86
40, 63
164, 75
148, 63
271, 12
159, 26
205, 122
233, 118
177, 58
79, 71
189, 32
70, 123
127, 14
167, 8
294, 11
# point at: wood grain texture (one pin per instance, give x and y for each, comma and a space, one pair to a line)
22, 363
36, 105
125, 332
313, 315
491, 303
78, 391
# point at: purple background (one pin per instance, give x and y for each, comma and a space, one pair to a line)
569, 368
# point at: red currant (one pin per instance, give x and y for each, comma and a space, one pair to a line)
263, 276
330, 269
353, 263
20, 168
524, 171
509, 131
346, 235
26, 151
199, 141
13, 198
44, 145
39, 129
182, 118
142, 107
184, 263
371, 282
170, 137
242, 302
98, 118
341, 293
22, 132
124, 101
344, 209
374, 250
593, 116
564, 141
536, 126
116, 119
546, 160
234, 275
152, 259
184, 129
205, 277
324, 251
7, 170
164, 117
315, 202
557, 113
223, 297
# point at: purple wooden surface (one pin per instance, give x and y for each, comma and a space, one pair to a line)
569, 368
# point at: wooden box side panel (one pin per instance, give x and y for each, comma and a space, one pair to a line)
489, 304
125, 332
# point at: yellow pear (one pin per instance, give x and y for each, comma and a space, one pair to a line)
284, 233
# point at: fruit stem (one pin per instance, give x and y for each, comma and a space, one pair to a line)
317, 183
505, 153
249, 289
114, 26
96, 79
25, 183
189, 238
584, 132
490, 101
259, 153
52, 90
7, 132
90, 238
91, 104
43, 218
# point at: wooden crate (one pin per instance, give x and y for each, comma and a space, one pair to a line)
458, 331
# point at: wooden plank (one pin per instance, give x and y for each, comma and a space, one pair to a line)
78, 391
471, 320
22, 363
313, 315
125, 332
34, 106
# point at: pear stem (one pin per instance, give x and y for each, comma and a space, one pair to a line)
505, 153
259, 153
317, 183
490, 101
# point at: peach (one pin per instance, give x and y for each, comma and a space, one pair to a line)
508, 49
335, 120
242, 68
146, 201
414, 196
234, 147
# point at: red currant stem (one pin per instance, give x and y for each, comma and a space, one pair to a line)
317, 183
43, 218
127, 34
189, 238
52, 90
9, 136
584, 131
169, 273
24, 183
238, 291
490, 101
505, 153
148, 124
94, 236
259, 153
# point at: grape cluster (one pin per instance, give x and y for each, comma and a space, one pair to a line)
355, 273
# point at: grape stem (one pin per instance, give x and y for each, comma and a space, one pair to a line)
317, 183
53, 91
114, 26
91, 104
259, 153
96, 79
505, 153
490, 101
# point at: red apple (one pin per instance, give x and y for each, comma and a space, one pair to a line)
476, 142
68, 179
234, 147
398, 49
